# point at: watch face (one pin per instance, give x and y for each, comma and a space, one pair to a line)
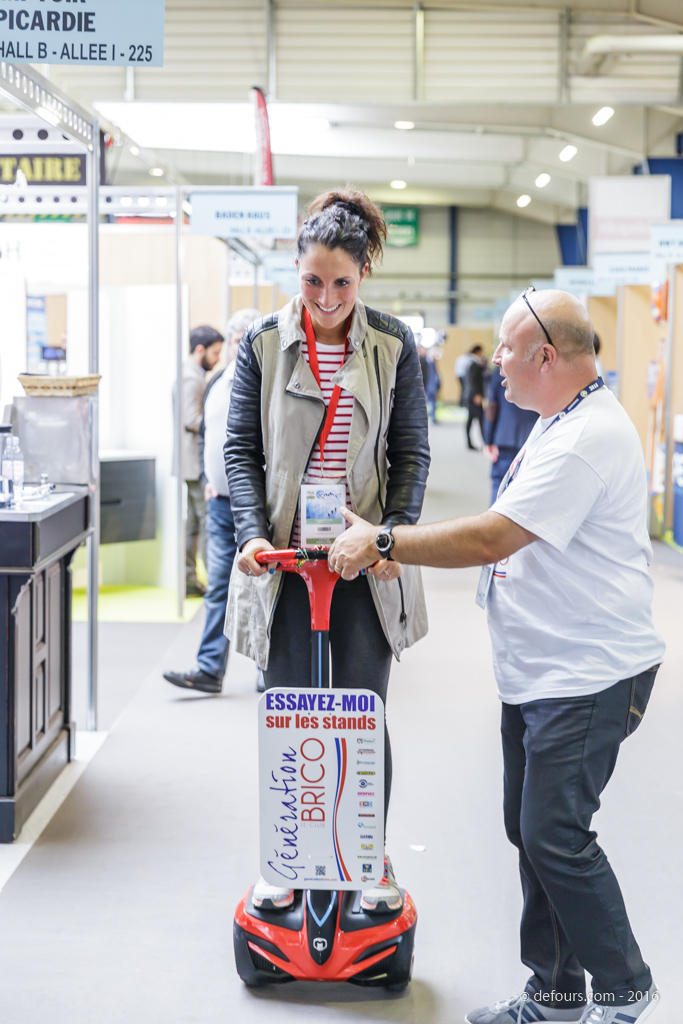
383, 542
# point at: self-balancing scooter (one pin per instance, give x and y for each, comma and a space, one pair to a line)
322, 827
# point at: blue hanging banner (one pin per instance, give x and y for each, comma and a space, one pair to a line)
86, 32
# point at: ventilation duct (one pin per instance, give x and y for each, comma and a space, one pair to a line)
600, 49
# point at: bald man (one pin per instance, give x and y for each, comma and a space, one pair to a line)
565, 583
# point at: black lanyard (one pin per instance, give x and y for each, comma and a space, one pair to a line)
584, 393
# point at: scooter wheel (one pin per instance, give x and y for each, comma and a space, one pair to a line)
243, 962
402, 969
399, 984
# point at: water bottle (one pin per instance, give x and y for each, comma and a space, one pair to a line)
6, 466
17, 470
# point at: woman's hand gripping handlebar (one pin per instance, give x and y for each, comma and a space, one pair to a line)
246, 559
311, 565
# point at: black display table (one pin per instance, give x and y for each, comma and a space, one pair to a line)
37, 543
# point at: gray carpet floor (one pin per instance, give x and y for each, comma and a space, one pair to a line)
122, 911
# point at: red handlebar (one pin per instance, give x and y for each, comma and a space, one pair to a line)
264, 557
310, 564
289, 555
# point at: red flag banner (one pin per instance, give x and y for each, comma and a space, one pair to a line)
263, 167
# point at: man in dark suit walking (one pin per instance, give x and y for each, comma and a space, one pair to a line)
506, 428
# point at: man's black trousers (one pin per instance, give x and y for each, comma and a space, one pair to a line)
558, 757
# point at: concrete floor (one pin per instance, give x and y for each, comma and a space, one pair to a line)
122, 911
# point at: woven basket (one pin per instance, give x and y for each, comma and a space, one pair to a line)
39, 386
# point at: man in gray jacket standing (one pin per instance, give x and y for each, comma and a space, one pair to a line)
212, 656
205, 351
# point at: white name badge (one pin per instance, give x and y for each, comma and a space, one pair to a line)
485, 578
321, 518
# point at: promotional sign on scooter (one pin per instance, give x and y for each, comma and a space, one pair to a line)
321, 765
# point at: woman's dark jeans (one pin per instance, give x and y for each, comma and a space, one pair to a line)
361, 656
559, 755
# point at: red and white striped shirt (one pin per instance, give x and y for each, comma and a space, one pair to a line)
330, 359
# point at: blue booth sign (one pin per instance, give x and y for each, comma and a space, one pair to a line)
87, 32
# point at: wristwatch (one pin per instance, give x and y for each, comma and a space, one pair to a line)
384, 542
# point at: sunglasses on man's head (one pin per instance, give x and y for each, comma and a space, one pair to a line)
525, 293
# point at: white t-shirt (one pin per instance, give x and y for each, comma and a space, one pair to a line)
570, 613
215, 424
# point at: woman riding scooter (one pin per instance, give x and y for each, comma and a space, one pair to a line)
327, 390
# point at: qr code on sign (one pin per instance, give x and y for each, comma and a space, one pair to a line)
320, 869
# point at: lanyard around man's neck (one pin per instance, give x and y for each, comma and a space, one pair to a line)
595, 385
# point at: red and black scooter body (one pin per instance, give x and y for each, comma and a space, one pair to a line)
325, 935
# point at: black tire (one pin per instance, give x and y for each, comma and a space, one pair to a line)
402, 967
243, 962
398, 986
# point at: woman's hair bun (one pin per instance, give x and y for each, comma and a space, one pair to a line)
345, 218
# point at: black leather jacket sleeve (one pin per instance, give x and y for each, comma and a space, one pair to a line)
243, 450
407, 439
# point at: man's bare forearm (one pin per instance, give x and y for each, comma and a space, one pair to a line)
454, 544
459, 543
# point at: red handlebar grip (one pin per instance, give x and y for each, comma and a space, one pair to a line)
263, 557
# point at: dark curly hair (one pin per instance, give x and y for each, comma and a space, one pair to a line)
345, 219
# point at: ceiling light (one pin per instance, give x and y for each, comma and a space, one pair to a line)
398, 183
134, 151
603, 115
126, 201
218, 127
542, 180
161, 201
523, 201
156, 172
568, 153
143, 201
404, 126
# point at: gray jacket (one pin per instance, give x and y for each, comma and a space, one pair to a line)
193, 386
276, 413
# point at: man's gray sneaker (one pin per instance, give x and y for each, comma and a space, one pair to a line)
522, 1009
602, 1013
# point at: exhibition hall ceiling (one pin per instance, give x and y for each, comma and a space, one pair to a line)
496, 93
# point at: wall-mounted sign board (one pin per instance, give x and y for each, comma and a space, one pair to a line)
403, 226
85, 32
279, 268
612, 269
246, 213
666, 242
581, 281
43, 168
621, 210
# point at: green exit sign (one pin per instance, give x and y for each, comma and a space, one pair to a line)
403, 226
